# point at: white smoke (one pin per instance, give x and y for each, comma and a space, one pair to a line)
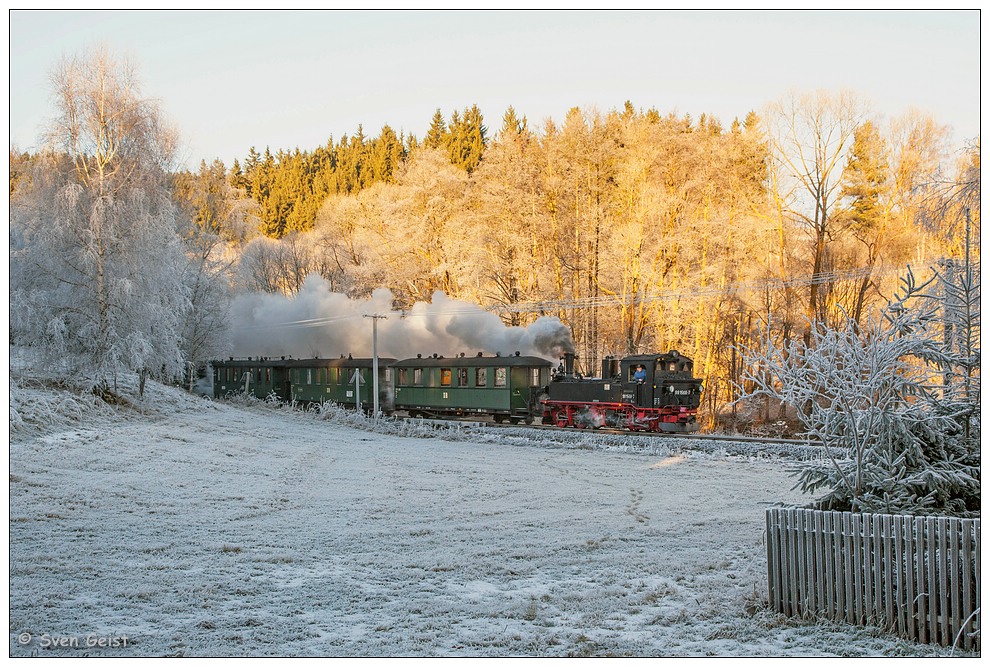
317, 322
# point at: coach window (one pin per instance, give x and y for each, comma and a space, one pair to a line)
500, 377
444, 377
462, 377
403, 377
418, 376
534, 377
481, 377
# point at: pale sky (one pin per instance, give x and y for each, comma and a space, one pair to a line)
230, 80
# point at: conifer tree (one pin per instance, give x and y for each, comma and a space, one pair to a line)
238, 179
512, 124
894, 442
437, 136
468, 138
865, 183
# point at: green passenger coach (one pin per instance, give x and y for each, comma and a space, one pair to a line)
260, 377
345, 381
503, 387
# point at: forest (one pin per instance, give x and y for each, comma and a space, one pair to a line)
640, 230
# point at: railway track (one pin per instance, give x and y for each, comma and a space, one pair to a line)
475, 423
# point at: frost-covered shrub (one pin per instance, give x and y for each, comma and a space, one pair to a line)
887, 400
41, 405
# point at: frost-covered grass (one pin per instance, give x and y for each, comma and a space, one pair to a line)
202, 528
567, 439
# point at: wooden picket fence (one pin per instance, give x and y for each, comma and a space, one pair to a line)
918, 577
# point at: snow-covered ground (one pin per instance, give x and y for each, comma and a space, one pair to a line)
184, 526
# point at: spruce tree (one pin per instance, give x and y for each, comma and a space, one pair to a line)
864, 181
437, 136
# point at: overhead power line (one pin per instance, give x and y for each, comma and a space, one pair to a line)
822, 278
691, 292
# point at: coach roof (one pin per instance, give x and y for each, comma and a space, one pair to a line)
473, 362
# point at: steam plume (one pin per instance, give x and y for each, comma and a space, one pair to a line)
318, 322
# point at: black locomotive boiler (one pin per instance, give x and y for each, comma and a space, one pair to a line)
647, 392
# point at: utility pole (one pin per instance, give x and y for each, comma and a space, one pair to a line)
374, 360
357, 390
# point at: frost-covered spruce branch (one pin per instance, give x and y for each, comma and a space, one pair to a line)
871, 393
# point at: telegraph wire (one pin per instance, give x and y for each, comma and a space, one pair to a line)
821, 278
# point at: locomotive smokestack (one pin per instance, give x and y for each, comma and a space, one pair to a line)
569, 364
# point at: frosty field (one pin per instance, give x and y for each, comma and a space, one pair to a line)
184, 526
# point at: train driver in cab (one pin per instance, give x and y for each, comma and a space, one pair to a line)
640, 374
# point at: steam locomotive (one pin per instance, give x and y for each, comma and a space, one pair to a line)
649, 392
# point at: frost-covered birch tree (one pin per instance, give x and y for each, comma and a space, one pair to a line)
896, 439
96, 278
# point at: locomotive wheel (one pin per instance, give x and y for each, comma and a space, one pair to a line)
634, 424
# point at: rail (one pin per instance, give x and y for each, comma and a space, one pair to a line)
455, 422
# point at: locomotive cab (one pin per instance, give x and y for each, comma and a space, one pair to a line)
667, 381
